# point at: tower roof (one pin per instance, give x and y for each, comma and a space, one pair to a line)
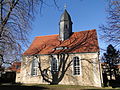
65, 16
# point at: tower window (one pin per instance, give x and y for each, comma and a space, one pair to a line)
66, 26
76, 66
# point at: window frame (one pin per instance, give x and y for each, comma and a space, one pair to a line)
34, 66
54, 61
77, 66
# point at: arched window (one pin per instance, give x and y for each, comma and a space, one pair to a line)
76, 66
54, 65
34, 69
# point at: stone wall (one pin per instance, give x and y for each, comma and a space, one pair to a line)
89, 76
18, 77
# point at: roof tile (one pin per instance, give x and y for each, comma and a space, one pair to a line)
83, 41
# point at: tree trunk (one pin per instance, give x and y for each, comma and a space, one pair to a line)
55, 78
110, 73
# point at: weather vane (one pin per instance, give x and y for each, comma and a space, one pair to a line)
65, 6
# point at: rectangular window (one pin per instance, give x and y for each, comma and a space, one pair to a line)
34, 69
54, 66
76, 70
76, 66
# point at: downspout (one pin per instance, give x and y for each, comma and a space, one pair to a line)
101, 78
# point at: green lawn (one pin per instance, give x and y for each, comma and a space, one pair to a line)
68, 87
48, 87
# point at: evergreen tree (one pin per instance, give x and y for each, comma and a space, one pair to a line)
111, 57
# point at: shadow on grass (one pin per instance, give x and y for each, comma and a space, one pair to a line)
115, 83
21, 87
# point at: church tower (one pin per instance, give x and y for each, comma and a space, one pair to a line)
65, 26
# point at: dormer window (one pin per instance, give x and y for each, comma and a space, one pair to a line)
60, 48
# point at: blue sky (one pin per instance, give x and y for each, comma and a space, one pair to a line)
85, 14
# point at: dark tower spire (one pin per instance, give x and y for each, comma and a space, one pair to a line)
65, 26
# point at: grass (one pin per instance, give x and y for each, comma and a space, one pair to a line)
68, 87
49, 87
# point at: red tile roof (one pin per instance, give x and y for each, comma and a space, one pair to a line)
79, 42
15, 67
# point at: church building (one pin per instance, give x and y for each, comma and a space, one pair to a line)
69, 58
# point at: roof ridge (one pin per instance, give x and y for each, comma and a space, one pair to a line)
48, 35
58, 34
87, 30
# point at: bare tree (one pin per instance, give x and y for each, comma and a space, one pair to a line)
111, 31
15, 23
55, 74
58, 74
15, 20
